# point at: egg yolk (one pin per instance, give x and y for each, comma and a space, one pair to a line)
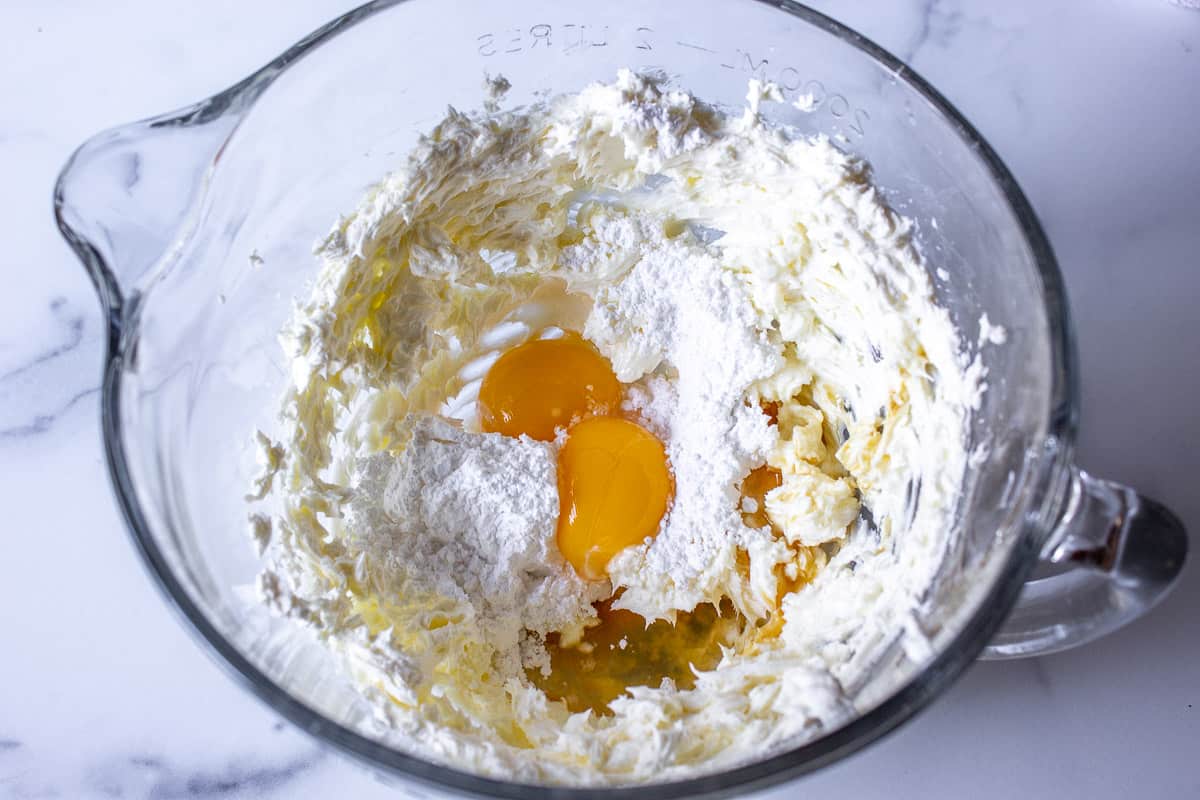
613, 489
546, 384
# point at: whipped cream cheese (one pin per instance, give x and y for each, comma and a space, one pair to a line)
763, 306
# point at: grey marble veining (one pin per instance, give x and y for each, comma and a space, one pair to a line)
1095, 107
160, 779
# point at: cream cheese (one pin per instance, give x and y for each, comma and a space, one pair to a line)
721, 265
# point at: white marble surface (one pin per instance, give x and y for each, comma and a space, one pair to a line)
1094, 106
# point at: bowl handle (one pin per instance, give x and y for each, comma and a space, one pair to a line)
128, 197
1112, 556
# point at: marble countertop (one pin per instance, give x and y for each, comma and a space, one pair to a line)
1094, 106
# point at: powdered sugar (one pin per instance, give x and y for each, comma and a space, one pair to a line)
471, 517
618, 240
652, 401
678, 313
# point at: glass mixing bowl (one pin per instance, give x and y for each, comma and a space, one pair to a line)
196, 227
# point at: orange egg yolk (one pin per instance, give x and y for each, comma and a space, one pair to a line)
546, 384
613, 489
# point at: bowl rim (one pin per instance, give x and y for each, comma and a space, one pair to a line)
906, 701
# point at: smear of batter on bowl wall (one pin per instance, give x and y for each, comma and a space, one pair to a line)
598, 461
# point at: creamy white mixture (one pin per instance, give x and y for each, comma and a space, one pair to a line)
720, 264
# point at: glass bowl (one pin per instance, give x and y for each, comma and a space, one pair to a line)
197, 226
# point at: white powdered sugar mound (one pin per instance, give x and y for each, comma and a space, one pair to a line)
678, 313
472, 517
